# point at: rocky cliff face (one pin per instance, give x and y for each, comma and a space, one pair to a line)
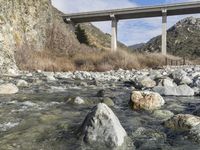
182, 39
23, 26
30, 25
33, 26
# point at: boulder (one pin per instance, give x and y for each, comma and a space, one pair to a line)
144, 82
8, 89
182, 90
108, 101
102, 128
22, 83
50, 78
186, 80
182, 122
153, 74
77, 100
163, 114
167, 82
148, 83
145, 100
178, 75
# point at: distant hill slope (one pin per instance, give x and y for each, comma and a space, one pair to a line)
183, 39
99, 39
136, 46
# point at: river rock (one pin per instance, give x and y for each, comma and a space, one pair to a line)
102, 128
149, 139
143, 82
178, 75
182, 90
186, 80
108, 101
194, 133
163, 114
146, 100
50, 78
167, 83
182, 122
148, 83
77, 100
8, 89
22, 83
197, 82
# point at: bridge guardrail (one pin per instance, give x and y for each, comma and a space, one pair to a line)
177, 62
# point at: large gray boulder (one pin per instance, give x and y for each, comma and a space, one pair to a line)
186, 80
8, 89
182, 90
177, 75
102, 129
167, 82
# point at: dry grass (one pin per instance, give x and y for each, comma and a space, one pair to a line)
88, 60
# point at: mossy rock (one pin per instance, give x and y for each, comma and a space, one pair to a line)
48, 118
108, 101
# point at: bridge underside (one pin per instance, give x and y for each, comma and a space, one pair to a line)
134, 13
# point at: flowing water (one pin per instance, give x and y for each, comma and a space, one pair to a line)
46, 121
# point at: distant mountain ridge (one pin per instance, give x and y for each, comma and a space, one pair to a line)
137, 46
183, 39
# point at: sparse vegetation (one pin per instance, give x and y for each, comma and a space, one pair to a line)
81, 35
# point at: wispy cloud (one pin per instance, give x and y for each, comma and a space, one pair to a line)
130, 31
70, 6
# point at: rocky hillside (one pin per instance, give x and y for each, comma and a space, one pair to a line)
30, 25
136, 46
182, 39
99, 39
36, 26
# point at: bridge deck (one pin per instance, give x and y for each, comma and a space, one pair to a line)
137, 12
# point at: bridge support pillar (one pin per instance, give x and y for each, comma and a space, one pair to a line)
164, 32
114, 33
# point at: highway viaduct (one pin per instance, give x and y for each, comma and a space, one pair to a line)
132, 13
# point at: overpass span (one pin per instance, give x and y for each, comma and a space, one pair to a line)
115, 15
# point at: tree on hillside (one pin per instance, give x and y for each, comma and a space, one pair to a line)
81, 35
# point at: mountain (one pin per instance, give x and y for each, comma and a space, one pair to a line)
136, 46
182, 39
99, 39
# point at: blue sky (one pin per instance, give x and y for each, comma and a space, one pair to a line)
129, 31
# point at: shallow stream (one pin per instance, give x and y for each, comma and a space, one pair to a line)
46, 121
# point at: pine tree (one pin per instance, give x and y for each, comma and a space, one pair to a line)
81, 35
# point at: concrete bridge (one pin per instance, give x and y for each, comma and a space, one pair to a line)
132, 13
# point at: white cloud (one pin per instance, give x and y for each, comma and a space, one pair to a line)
130, 31
71, 6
